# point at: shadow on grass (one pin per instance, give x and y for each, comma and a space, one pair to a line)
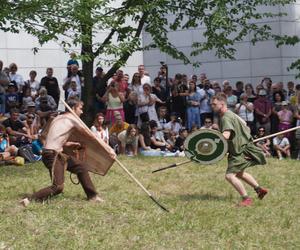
203, 197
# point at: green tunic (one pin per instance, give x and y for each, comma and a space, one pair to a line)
240, 144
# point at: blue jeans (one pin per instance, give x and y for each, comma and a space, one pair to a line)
193, 117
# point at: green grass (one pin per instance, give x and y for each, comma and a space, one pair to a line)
201, 203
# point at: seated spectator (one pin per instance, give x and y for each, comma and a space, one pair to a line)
100, 129
27, 98
157, 138
282, 146
32, 127
15, 129
162, 117
263, 144
129, 141
245, 110
174, 125
183, 133
208, 124
171, 141
45, 106
6, 151
11, 97
116, 129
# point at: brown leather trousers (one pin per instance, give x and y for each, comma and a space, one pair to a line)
57, 163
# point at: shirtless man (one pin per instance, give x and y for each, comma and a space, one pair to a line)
56, 160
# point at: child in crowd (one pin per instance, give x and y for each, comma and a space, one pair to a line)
183, 133
11, 97
73, 92
282, 146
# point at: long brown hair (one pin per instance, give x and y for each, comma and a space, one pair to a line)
96, 122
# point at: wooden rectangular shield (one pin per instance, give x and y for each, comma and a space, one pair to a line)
95, 153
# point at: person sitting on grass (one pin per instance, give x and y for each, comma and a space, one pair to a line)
7, 152
263, 144
282, 146
128, 141
179, 144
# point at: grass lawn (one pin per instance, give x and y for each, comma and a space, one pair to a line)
201, 203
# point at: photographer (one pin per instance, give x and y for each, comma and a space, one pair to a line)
206, 94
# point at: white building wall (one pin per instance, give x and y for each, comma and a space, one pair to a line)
252, 62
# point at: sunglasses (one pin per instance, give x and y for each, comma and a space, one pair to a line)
261, 130
30, 117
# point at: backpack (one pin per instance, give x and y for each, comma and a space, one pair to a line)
26, 152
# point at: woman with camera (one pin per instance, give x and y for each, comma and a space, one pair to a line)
114, 100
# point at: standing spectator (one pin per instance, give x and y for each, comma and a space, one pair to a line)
33, 84
232, 100
130, 106
282, 146
146, 105
114, 101
72, 60
179, 92
249, 91
136, 85
100, 87
120, 83
205, 108
164, 81
4, 81
11, 97
278, 97
202, 78
296, 109
193, 103
100, 129
245, 110
50, 83
159, 91
75, 75
263, 111
14, 77
239, 89
290, 90
143, 76
285, 117
266, 83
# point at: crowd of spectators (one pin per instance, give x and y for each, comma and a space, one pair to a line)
135, 114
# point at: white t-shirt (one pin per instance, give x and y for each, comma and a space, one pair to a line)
281, 142
175, 127
103, 135
146, 79
244, 113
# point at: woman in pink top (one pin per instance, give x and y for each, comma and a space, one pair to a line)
285, 117
114, 100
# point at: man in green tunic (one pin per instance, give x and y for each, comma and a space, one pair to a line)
242, 151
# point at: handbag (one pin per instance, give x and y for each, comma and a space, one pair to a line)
144, 117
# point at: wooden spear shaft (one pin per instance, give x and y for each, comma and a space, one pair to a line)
275, 134
119, 163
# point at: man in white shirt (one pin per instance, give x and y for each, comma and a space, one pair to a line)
144, 78
282, 146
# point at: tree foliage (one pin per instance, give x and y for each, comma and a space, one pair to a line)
77, 23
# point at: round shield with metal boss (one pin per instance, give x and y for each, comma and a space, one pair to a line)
206, 146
